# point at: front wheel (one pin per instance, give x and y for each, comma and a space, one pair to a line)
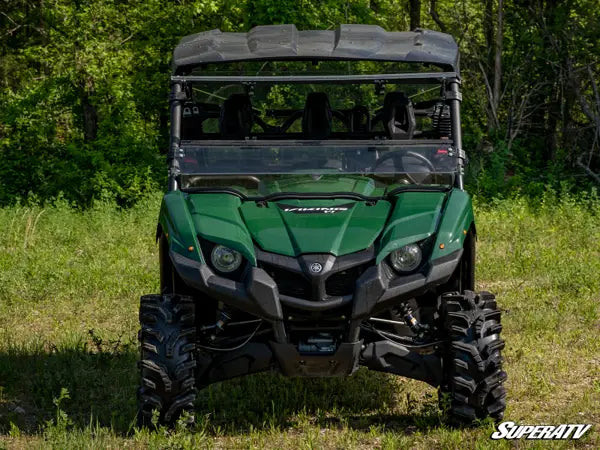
167, 343
473, 375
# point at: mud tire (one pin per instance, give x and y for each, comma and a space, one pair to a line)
167, 365
473, 375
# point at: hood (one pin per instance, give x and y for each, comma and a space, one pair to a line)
294, 227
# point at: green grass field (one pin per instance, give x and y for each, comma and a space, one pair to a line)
69, 288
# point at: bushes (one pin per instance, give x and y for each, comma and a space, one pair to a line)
84, 88
84, 110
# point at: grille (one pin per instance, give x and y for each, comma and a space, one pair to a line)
289, 283
342, 283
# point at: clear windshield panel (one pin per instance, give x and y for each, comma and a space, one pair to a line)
365, 169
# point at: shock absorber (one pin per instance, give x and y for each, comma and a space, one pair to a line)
222, 320
415, 326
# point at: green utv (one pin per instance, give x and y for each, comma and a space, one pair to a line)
316, 220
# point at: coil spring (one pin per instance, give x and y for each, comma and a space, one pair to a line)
441, 120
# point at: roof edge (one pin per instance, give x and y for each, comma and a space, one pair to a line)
286, 42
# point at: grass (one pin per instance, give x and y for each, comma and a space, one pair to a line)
69, 286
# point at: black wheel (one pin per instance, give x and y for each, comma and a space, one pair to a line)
167, 342
473, 375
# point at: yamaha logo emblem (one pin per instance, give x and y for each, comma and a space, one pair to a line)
316, 267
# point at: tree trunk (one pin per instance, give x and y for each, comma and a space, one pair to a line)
553, 113
488, 31
90, 116
554, 24
415, 14
496, 92
90, 120
434, 15
488, 63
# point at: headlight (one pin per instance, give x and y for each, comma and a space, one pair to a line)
407, 258
225, 259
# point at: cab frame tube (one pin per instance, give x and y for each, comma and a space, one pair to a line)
454, 97
176, 98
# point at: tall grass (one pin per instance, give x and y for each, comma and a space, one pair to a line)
69, 286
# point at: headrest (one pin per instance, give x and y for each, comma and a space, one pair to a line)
360, 119
316, 121
236, 119
191, 124
398, 116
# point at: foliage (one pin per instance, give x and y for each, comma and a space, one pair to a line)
84, 84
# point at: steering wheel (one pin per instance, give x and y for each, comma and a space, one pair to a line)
393, 155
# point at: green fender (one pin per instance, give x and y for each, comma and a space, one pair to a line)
456, 221
413, 219
216, 217
178, 226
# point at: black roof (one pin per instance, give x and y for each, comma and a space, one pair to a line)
280, 42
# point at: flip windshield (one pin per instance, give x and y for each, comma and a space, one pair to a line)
269, 168
364, 136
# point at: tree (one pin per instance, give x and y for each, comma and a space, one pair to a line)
415, 14
83, 84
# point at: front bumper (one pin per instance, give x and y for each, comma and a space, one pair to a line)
376, 289
258, 294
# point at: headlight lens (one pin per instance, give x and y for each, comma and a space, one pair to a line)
407, 258
225, 259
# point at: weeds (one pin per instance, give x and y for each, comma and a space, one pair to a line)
69, 286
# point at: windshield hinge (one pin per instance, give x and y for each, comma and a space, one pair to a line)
175, 152
174, 172
450, 95
178, 97
458, 152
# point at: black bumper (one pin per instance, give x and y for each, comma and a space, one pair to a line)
376, 289
259, 295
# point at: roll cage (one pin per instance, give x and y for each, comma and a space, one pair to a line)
285, 43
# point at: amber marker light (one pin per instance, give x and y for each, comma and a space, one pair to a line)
442, 246
190, 249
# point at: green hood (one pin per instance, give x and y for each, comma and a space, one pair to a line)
294, 227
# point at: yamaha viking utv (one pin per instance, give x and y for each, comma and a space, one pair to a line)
316, 220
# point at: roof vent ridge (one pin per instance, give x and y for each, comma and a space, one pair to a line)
269, 37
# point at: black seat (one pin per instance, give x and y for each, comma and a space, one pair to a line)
317, 117
191, 125
360, 120
398, 116
236, 119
